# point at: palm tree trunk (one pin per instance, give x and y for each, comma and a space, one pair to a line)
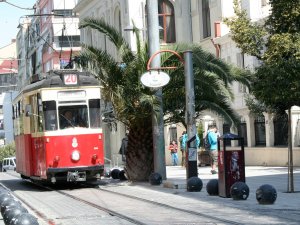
139, 155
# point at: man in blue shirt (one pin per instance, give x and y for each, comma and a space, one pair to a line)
213, 141
182, 140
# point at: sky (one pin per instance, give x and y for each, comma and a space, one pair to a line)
10, 16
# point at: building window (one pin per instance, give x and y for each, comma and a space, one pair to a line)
1, 124
117, 19
242, 132
166, 21
206, 19
263, 2
242, 88
63, 12
240, 62
173, 133
260, 131
281, 130
69, 41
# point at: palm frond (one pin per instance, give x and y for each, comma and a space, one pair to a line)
112, 34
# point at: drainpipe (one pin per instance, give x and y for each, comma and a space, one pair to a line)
218, 48
217, 35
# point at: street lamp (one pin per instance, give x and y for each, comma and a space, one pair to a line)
155, 78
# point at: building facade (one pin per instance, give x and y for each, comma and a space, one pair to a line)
48, 39
8, 83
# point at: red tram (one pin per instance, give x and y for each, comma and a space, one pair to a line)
57, 128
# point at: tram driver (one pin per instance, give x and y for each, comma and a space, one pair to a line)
67, 120
72, 118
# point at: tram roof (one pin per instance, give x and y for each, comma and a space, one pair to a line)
54, 78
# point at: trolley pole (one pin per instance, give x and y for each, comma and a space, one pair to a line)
157, 120
191, 169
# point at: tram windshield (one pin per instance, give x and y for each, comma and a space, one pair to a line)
69, 116
73, 116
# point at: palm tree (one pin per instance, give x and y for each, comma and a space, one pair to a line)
134, 104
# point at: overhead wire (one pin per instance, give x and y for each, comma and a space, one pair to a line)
63, 32
18, 6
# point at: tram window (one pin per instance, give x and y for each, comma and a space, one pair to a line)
73, 116
19, 108
94, 105
13, 112
40, 113
49, 108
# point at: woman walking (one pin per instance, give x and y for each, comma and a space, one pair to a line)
174, 148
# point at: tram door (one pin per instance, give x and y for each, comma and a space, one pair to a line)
37, 129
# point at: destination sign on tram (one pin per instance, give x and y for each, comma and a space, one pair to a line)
71, 94
70, 79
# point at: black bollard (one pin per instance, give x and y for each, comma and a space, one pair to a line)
115, 173
212, 187
155, 179
122, 175
25, 219
3, 191
266, 194
5, 196
11, 213
194, 184
10, 202
239, 191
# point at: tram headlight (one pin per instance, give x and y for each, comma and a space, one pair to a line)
75, 155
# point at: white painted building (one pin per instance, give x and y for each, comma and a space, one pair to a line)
8, 79
199, 21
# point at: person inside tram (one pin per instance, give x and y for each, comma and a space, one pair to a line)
67, 120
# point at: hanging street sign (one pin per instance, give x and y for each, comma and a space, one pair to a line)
155, 79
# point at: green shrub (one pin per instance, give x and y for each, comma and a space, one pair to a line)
7, 151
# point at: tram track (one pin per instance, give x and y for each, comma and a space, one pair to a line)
49, 221
134, 220
212, 219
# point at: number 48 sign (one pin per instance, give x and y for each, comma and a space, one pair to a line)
70, 79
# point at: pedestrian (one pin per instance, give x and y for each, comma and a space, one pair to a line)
182, 142
213, 151
174, 148
123, 148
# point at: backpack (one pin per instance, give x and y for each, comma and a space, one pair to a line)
206, 143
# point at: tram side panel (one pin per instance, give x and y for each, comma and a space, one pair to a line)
24, 155
38, 157
22, 138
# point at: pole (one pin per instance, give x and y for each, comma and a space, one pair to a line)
191, 169
290, 154
157, 119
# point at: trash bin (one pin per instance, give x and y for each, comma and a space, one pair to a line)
231, 162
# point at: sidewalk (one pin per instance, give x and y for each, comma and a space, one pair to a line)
285, 210
255, 177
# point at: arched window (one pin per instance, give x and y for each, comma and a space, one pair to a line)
206, 19
117, 19
166, 21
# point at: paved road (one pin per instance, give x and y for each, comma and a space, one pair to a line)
286, 209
